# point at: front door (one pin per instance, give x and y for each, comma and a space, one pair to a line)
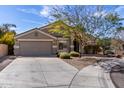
76, 45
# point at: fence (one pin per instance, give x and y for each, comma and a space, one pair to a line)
3, 50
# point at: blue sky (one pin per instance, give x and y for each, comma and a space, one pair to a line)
25, 17
28, 17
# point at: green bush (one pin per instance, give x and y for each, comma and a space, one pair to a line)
64, 55
74, 54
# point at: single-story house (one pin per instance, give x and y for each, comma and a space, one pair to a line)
39, 42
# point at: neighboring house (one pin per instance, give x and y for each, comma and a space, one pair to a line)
118, 45
39, 42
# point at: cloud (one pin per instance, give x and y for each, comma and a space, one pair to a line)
45, 11
30, 11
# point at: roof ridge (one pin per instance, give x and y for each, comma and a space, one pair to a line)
27, 31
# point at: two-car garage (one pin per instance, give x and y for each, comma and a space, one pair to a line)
34, 43
35, 48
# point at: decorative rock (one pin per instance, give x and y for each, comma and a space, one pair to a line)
110, 65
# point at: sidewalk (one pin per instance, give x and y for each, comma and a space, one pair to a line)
92, 77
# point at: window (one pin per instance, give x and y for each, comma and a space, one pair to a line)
62, 46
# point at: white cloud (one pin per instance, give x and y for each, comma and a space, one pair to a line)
30, 11
45, 11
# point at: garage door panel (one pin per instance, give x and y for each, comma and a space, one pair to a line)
35, 48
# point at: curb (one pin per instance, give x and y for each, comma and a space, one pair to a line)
109, 80
106, 82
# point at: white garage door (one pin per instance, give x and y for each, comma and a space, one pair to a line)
35, 48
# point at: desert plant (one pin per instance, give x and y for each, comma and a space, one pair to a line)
64, 55
74, 54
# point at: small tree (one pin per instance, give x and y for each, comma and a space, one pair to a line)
8, 39
63, 29
7, 36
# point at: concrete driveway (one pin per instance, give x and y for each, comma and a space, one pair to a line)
37, 72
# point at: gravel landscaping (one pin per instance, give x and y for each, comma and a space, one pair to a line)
80, 63
116, 69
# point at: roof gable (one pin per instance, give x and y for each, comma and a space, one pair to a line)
35, 34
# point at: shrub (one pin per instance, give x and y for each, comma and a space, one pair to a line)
74, 54
64, 55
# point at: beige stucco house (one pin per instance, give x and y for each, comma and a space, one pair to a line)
39, 42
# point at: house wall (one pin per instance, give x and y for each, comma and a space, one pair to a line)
3, 50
